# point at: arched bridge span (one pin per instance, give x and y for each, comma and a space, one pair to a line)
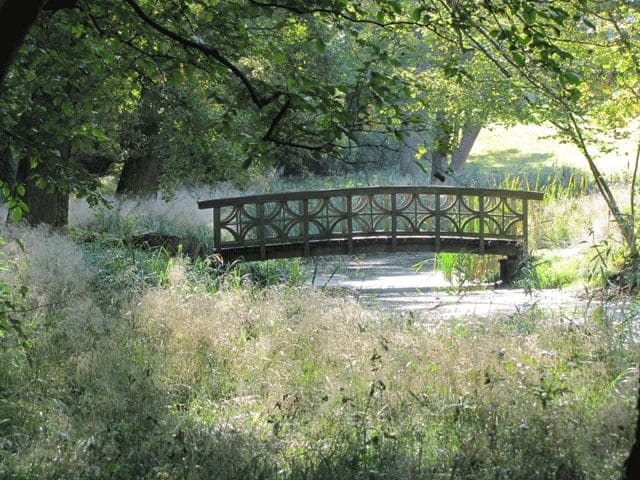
373, 219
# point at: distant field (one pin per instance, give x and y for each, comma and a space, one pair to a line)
532, 146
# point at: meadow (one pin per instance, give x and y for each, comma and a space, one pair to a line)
139, 364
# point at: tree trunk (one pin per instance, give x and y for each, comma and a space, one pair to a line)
51, 208
140, 175
438, 167
141, 170
7, 166
470, 133
441, 148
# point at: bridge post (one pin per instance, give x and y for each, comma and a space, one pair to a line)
525, 225
260, 215
217, 230
481, 226
509, 268
305, 226
394, 223
437, 239
349, 224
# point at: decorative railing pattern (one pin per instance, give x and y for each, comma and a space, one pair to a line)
360, 213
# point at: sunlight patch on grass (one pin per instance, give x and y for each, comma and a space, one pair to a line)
530, 146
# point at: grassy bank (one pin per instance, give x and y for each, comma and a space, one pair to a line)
138, 366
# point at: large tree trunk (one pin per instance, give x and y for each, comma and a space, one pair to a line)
140, 175
470, 133
141, 170
51, 208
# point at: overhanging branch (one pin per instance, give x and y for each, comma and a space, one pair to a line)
259, 100
336, 13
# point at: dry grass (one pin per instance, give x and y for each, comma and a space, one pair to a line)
289, 382
566, 221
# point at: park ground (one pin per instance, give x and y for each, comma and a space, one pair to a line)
139, 364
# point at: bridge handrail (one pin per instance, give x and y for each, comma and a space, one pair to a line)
355, 214
336, 192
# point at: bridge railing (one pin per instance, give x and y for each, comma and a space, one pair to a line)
258, 222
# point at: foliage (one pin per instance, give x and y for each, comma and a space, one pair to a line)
551, 272
466, 269
10, 296
9, 302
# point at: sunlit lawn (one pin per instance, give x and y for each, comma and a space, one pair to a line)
531, 146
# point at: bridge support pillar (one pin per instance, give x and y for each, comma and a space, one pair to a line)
509, 268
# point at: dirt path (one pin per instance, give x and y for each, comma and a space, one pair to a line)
390, 282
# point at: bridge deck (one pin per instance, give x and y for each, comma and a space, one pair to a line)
372, 219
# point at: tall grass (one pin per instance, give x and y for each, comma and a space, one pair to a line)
173, 379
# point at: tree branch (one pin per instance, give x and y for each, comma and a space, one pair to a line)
259, 100
55, 5
16, 17
336, 13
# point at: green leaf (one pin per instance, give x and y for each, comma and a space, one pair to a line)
319, 45
67, 108
20, 244
518, 58
16, 214
575, 94
98, 134
77, 31
570, 78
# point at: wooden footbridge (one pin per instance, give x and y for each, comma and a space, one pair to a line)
374, 219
